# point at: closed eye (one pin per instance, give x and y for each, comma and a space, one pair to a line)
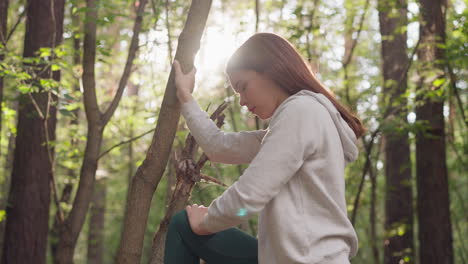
241, 86
244, 86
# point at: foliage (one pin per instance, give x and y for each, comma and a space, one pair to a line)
318, 33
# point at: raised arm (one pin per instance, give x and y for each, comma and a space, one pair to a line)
289, 141
219, 146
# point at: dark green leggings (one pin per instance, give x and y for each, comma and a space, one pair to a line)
230, 246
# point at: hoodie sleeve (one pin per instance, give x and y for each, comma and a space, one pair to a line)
224, 147
291, 139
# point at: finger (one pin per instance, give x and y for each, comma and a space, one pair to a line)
177, 66
193, 71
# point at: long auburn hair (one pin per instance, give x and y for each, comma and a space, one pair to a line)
276, 58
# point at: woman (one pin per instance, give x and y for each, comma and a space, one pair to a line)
295, 178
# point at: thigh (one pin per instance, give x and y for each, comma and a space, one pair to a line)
230, 246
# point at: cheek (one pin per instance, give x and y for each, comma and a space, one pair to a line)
265, 106
259, 94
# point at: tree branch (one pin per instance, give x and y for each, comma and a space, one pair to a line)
89, 57
367, 164
18, 21
453, 82
354, 43
124, 142
128, 65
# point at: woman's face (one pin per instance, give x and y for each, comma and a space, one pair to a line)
257, 92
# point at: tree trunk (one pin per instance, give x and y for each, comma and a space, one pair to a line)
96, 223
71, 173
398, 201
149, 174
373, 215
3, 35
350, 46
187, 174
168, 28
435, 231
4, 186
171, 177
257, 14
28, 211
71, 227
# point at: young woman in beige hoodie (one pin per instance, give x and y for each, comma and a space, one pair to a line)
295, 177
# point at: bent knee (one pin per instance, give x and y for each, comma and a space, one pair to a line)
179, 219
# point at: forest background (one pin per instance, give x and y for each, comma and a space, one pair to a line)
91, 133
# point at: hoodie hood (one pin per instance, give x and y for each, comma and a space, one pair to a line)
347, 136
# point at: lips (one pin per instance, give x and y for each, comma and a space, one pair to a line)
251, 109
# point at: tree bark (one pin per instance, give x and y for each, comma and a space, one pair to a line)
133, 90
398, 247
71, 227
149, 174
29, 199
8, 167
71, 173
3, 37
187, 174
435, 231
171, 179
373, 215
96, 223
4, 186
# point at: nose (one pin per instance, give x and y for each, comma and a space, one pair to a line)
242, 101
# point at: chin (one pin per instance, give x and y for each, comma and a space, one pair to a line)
264, 117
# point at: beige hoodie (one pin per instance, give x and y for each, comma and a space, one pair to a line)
295, 180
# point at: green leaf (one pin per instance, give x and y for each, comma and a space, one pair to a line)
438, 82
2, 215
59, 51
22, 88
45, 52
55, 67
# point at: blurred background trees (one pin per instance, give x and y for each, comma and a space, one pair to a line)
399, 64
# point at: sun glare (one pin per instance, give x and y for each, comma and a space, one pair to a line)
217, 46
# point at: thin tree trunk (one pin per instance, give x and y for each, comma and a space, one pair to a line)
309, 31
7, 180
68, 188
398, 203
373, 215
71, 227
3, 35
170, 174
168, 28
149, 174
435, 230
29, 199
257, 22
350, 46
133, 94
187, 174
96, 223
257, 14
133, 90
171, 179
4, 186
